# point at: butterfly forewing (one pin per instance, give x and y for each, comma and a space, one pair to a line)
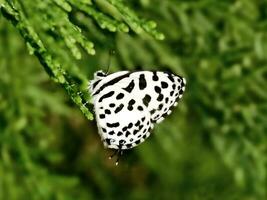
128, 103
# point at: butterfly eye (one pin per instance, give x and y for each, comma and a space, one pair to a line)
100, 74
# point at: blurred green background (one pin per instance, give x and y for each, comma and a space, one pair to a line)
213, 146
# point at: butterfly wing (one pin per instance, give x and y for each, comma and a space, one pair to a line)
127, 104
122, 120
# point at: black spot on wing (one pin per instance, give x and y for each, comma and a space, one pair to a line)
160, 97
135, 131
111, 133
155, 76
137, 123
119, 96
157, 89
130, 87
166, 100
164, 84
107, 95
131, 102
113, 125
130, 125
107, 111
146, 100
140, 108
152, 111
142, 82
119, 108
119, 133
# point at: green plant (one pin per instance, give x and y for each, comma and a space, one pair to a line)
212, 147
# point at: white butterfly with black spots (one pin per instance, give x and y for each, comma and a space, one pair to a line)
127, 104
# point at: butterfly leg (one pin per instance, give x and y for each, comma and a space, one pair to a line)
114, 153
120, 152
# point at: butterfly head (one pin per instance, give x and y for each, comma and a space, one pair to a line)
99, 75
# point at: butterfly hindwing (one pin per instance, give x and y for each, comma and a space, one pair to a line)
128, 103
121, 126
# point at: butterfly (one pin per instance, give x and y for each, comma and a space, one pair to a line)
128, 104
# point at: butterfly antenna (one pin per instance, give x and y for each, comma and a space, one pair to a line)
112, 155
111, 53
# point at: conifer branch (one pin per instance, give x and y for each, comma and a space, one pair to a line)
53, 68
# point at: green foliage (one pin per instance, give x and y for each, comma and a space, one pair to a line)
214, 144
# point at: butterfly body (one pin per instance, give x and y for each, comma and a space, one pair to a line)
127, 104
